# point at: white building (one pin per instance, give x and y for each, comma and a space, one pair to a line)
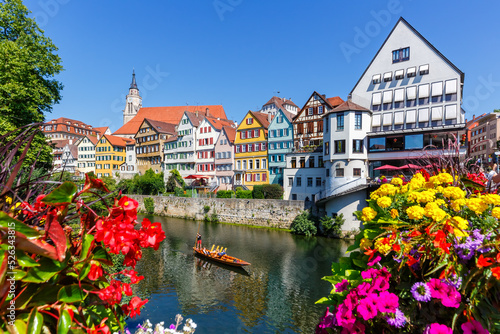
276, 103
415, 95
224, 158
129, 168
304, 176
86, 155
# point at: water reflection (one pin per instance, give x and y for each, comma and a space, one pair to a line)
276, 294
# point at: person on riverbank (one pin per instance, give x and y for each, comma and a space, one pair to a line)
198, 241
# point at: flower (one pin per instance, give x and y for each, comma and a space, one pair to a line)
368, 214
415, 212
388, 302
95, 270
438, 288
451, 297
496, 212
473, 327
421, 292
342, 286
396, 319
483, 262
394, 213
496, 272
327, 321
384, 202
436, 328
453, 193
476, 204
367, 307
344, 316
397, 181
365, 243
133, 308
432, 210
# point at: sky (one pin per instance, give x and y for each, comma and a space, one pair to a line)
240, 53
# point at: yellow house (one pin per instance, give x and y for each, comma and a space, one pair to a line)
250, 157
110, 154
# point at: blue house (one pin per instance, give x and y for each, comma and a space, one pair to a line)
280, 142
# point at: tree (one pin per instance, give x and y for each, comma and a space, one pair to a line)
28, 64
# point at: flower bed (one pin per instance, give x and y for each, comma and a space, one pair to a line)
426, 261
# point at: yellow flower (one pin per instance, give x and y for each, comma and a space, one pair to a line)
387, 189
8, 200
477, 205
384, 245
426, 196
453, 193
365, 244
404, 189
417, 181
368, 214
397, 181
491, 199
394, 213
440, 202
461, 225
445, 178
496, 212
457, 204
433, 211
384, 202
415, 212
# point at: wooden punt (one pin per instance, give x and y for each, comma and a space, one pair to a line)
226, 259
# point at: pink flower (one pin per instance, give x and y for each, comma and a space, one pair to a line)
451, 297
367, 307
351, 300
357, 328
344, 317
374, 261
387, 302
436, 328
363, 289
342, 286
438, 288
369, 273
328, 321
473, 327
380, 284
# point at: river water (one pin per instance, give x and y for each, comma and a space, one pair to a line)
275, 294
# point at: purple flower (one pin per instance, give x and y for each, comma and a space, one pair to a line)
388, 302
396, 319
367, 307
438, 288
172, 326
342, 286
473, 327
455, 281
421, 292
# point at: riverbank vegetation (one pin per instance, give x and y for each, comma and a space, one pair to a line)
310, 225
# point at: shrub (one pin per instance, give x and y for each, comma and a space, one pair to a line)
225, 194
258, 192
304, 224
214, 218
272, 191
179, 192
332, 227
149, 205
206, 208
175, 180
243, 193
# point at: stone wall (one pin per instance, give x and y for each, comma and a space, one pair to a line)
257, 212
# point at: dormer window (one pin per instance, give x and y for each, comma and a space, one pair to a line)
249, 121
376, 79
401, 55
387, 76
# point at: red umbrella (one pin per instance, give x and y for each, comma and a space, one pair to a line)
410, 166
196, 177
388, 167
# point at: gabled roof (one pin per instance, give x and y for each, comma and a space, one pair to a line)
331, 102
59, 144
195, 119
168, 115
262, 118
347, 106
102, 130
288, 114
92, 139
118, 141
161, 127
279, 101
219, 123
402, 20
170, 139
230, 133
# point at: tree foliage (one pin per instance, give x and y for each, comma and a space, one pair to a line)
304, 224
148, 184
175, 180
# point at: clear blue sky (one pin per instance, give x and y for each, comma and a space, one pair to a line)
239, 53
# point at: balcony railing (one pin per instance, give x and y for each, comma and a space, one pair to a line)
341, 188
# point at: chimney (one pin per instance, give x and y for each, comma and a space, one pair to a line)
71, 141
207, 111
324, 96
196, 113
269, 118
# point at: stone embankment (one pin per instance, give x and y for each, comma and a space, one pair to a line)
256, 212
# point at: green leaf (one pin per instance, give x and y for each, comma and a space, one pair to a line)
352, 247
325, 301
47, 269
62, 194
7, 222
72, 293
101, 255
84, 272
20, 326
88, 241
35, 322
371, 234
46, 294
64, 322
24, 260
359, 263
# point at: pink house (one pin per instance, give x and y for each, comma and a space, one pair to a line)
224, 158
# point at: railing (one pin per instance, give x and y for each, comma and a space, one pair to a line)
341, 188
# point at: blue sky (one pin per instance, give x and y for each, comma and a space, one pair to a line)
239, 53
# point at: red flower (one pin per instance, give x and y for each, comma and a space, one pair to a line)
92, 182
496, 272
483, 262
134, 306
151, 234
411, 261
112, 294
498, 257
128, 203
396, 247
95, 271
133, 276
102, 328
440, 242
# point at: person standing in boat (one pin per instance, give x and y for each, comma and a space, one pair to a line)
198, 241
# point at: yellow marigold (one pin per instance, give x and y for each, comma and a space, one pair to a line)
439, 189
384, 245
477, 205
375, 194
453, 193
397, 181
440, 202
404, 189
413, 196
368, 214
408, 248
384, 202
8, 200
387, 190
433, 211
491, 199
394, 213
445, 178
426, 196
417, 181
415, 212
365, 244
457, 204
460, 227
496, 212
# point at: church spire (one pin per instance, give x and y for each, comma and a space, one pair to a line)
133, 85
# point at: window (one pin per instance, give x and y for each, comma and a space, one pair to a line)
357, 146
401, 55
249, 120
356, 172
299, 182
302, 162
411, 72
257, 164
309, 181
399, 74
294, 197
327, 173
339, 172
327, 147
376, 79
424, 69
320, 109
387, 76
318, 182
293, 163
320, 162
413, 142
311, 162
376, 144
290, 181
340, 146
310, 111
340, 122
357, 121
264, 163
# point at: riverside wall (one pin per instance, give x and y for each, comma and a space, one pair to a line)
256, 212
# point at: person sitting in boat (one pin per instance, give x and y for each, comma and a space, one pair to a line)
221, 254
198, 241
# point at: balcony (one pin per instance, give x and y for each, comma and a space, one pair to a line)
345, 188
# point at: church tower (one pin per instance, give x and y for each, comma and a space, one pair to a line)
133, 102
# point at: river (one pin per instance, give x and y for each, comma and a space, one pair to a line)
275, 294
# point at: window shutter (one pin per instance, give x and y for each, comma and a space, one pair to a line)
264, 177
254, 177
211, 141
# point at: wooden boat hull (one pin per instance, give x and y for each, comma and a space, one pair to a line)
226, 259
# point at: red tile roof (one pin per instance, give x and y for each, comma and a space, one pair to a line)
279, 101
170, 139
348, 106
118, 141
230, 133
262, 118
219, 123
101, 129
335, 101
93, 139
168, 115
72, 123
161, 127
59, 144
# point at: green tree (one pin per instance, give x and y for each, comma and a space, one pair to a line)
175, 180
28, 64
149, 184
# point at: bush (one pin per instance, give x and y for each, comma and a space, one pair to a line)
206, 218
214, 218
149, 184
179, 192
272, 191
175, 180
225, 194
206, 208
149, 205
258, 192
332, 227
304, 224
244, 194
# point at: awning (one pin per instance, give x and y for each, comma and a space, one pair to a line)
451, 111
451, 86
437, 88
410, 166
399, 117
423, 91
411, 93
387, 96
